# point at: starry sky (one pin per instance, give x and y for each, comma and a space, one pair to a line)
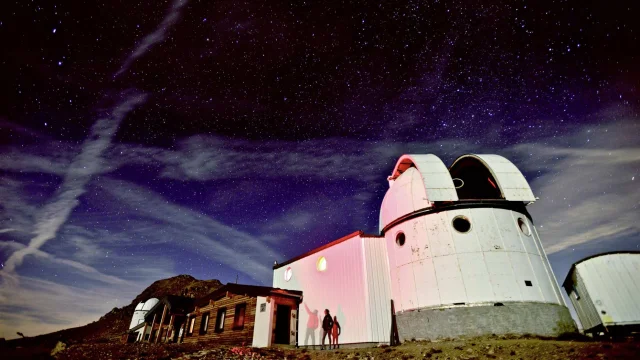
141, 140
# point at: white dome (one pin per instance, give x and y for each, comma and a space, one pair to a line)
504, 176
150, 304
416, 182
139, 307
406, 195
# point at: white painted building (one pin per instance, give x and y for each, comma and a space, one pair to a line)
350, 278
141, 310
605, 291
457, 253
446, 247
137, 319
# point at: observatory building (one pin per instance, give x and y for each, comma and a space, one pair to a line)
604, 290
141, 310
457, 254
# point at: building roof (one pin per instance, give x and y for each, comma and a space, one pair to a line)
175, 304
567, 279
422, 181
325, 246
433, 172
149, 304
248, 290
512, 184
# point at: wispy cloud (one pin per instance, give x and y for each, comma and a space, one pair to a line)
76, 175
587, 192
40, 306
179, 226
55, 213
83, 269
155, 37
89, 161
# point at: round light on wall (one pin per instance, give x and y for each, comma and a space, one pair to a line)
321, 264
461, 224
400, 239
288, 273
524, 227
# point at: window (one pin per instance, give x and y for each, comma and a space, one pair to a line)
461, 224
288, 273
263, 307
222, 312
524, 227
204, 323
192, 322
400, 239
321, 265
576, 294
528, 283
238, 317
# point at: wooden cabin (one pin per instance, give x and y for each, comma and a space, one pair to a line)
249, 315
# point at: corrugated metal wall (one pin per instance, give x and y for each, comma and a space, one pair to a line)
341, 288
378, 288
586, 311
613, 284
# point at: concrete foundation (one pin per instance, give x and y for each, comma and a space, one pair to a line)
470, 321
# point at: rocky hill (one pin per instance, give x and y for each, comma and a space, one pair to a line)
116, 322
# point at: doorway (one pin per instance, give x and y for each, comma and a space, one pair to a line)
283, 313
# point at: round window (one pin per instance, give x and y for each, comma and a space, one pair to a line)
400, 239
461, 224
287, 274
321, 264
524, 227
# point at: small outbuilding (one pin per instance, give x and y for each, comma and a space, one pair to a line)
350, 278
141, 310
239, 314
161, 320
605, 291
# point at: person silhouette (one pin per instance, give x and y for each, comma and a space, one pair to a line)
335, 332
327, 324
312, 325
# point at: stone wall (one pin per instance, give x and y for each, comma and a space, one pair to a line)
463, 321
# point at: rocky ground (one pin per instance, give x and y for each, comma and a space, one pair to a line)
480, 348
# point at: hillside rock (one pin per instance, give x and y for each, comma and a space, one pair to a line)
116, 322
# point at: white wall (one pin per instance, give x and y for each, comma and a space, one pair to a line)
406, 195
342, 289
263, 324
613, 284
137, 318
439, 266
378, 289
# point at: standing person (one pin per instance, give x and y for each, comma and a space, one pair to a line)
327, 324
335, 332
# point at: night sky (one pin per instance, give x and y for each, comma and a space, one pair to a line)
141, 140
